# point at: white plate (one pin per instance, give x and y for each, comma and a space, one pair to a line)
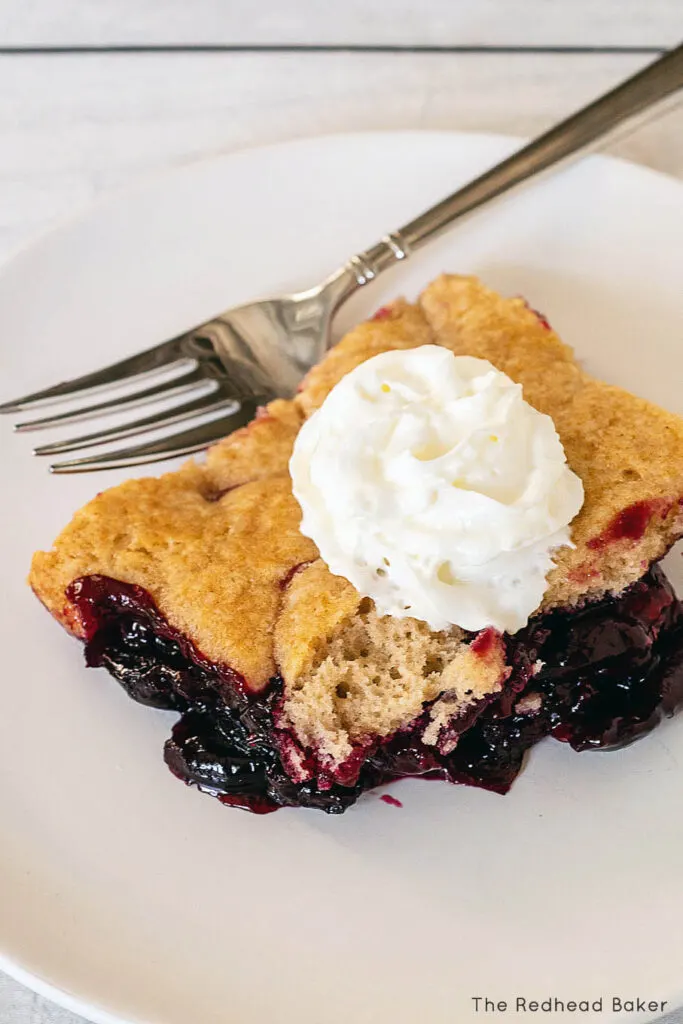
131, 898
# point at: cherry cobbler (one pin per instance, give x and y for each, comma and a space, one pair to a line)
200, 593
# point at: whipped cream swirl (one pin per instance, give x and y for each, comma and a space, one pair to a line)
428, 482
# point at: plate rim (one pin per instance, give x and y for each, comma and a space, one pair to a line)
146, 179
59, 996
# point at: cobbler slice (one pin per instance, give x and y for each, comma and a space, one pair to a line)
199, 593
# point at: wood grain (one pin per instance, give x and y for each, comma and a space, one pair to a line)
405, 22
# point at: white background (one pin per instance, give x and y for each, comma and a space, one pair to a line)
98, 93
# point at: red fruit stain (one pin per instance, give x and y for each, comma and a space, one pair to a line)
255, 804
541, 319
383, 313
289, 576
584, 574
388, 799
485, 642
539, 316
631, 523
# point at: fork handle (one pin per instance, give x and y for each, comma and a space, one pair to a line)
636, 94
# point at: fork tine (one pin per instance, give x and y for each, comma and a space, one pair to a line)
169, 388
192, 440
161, 356
207, 403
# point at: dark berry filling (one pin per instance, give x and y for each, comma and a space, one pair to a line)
596, 677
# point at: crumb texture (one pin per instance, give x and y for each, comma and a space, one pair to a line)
217, 543
372, 676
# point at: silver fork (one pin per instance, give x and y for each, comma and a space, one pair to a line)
252, 354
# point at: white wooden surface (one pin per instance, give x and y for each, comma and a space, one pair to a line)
75, 125
411, 22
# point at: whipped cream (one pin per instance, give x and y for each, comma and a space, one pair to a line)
428, 482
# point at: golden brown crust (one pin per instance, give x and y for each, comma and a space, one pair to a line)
214, 567
470, 319
211, 542
399, 325
259, 450
314, 605
218, 546
627, 451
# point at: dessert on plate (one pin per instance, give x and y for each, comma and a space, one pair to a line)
443, 549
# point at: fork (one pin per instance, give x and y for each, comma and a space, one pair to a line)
249, 355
